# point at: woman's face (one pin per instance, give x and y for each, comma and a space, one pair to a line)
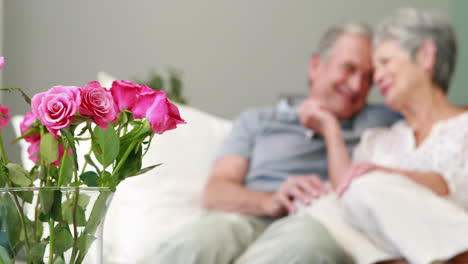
396, 75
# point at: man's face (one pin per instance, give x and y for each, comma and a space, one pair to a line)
342, 81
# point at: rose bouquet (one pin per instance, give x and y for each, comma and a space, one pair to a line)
59, 223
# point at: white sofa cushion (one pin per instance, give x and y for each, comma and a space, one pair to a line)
148, 208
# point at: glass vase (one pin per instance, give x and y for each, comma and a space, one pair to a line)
52, 224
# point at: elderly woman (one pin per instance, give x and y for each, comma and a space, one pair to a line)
405, 194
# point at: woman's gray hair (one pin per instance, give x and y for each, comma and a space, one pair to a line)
328, 40
411, 28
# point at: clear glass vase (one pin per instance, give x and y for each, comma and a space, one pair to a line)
52, 225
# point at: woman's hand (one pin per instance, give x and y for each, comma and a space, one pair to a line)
354, 171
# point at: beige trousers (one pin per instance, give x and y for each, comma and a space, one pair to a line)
222, 238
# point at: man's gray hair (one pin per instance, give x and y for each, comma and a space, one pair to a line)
334, 32
411, 28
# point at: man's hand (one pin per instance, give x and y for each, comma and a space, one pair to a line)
314, 115
354, 171
303, 188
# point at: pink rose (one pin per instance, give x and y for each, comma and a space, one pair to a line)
34, 148
56, 108
145, 100
28, 121
2, 61
132, 97
97, 102
125, 94
163, 115
4, 121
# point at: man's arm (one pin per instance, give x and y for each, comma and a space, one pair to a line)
225, 191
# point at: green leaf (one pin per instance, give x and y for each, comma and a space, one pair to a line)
123, 118
140, 131
31, 131
68, 170
49, 148
98, 213
53, 172
43, 172
4, 256
36, 254
105, 145
43, 217
63, 239
83, 130
56, 211
91, 162
83, 200
132, 164
11, 221
46, 199
30, 231
34, 172
59, 260
90, 178
145, 170
71, 142
80, 119
147, 143
106, 180
26, 196
67, 210
18, 175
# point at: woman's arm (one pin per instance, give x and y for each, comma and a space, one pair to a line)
431, 180
338, 157
315, 116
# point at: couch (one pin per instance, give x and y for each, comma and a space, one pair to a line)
148, 208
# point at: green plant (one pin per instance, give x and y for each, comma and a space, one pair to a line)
172, 85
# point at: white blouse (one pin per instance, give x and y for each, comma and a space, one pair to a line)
444, 151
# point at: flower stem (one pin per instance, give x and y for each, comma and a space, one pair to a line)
51, 241
124, 158
86, 162
75, 230
23, 223
37, 237
62, 163
4, 157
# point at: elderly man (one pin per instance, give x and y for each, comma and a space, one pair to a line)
272, 158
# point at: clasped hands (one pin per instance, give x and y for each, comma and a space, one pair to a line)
306, 188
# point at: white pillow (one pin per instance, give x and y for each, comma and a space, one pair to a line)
148, 208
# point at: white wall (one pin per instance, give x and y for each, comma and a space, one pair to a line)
233, 54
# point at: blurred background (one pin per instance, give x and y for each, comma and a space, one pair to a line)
229, 55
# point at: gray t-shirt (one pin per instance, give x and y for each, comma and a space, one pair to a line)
278, 146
